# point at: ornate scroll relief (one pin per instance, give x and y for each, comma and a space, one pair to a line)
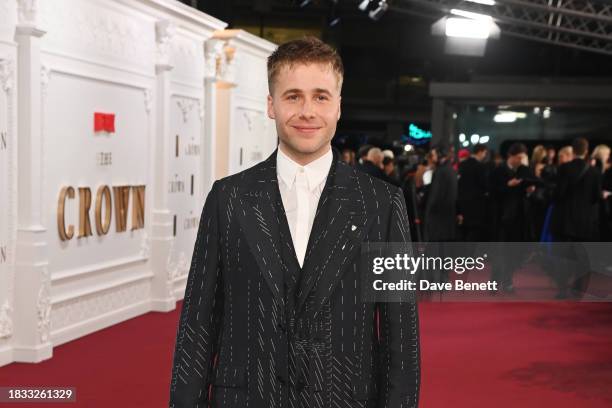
228, 66
27, 12
213, 50
44, 306
6, 75
165, 31
6, 322
186, 105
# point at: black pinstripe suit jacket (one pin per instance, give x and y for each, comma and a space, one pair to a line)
257, 331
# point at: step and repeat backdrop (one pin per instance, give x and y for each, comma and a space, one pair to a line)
115, 118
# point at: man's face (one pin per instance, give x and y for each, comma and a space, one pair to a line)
305, 104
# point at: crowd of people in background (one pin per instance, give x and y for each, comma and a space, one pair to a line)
477, 196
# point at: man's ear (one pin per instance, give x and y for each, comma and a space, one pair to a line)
271, 108
339, 107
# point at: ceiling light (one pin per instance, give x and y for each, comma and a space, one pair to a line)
462, 137
363, 6
474, 139
469, 14
467, 28
484, 139
377, 13
485, 2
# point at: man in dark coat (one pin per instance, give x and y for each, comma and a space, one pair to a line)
440, 205
273, 314
472, 196
576, 196
510, 189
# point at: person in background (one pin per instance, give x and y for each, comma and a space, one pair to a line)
600, 157
566, 155
472, 196
575, 219
372, 164
551, 154
348, 156
538, 160
600, 160
498, 160
362, 153
576, 195
389, 171
463, 155
440, 203
510, 219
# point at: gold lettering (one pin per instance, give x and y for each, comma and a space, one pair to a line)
103, 194
122, 199
84, 205
66, 192
138, 206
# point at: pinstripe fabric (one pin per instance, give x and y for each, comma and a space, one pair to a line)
285, 337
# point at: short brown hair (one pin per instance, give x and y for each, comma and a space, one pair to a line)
306, 50
580, 146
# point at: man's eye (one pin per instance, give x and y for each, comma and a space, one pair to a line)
292, 97
322, 98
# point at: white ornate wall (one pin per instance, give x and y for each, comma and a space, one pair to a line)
8, 179
60, 62
243, 124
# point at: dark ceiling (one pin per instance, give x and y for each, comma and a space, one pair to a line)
389, 63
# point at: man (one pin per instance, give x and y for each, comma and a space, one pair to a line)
373, 163
576, 197
272, 315
472, 196
509, 194
440, 202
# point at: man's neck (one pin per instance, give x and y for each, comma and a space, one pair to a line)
303, 159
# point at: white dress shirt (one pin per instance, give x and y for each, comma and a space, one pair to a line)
300, 188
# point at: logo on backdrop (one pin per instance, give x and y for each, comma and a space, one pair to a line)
120, 197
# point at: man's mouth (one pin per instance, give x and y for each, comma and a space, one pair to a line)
306, 129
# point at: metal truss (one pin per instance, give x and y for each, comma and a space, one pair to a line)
580, 24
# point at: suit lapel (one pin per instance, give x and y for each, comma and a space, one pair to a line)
260, 220
339, 226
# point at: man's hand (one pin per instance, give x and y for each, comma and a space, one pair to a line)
514, 182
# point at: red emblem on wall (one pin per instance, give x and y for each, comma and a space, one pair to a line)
104, 122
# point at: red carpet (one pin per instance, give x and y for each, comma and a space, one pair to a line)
474, 355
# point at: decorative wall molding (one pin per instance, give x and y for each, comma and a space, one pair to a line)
27, 12
212, 56
44, 306
6, 75
186, 105
45, 73
79, 310
148, 99
6, 321
145, 245
165, 31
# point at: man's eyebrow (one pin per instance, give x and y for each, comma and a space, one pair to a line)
299, 91
293, 90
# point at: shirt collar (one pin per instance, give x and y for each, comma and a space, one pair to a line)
316, 171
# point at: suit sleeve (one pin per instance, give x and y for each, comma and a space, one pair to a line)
200, 319
399, 370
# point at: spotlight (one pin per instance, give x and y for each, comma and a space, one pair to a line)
363, 6
304, 3
377, 13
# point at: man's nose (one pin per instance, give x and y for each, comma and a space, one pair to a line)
307, 109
